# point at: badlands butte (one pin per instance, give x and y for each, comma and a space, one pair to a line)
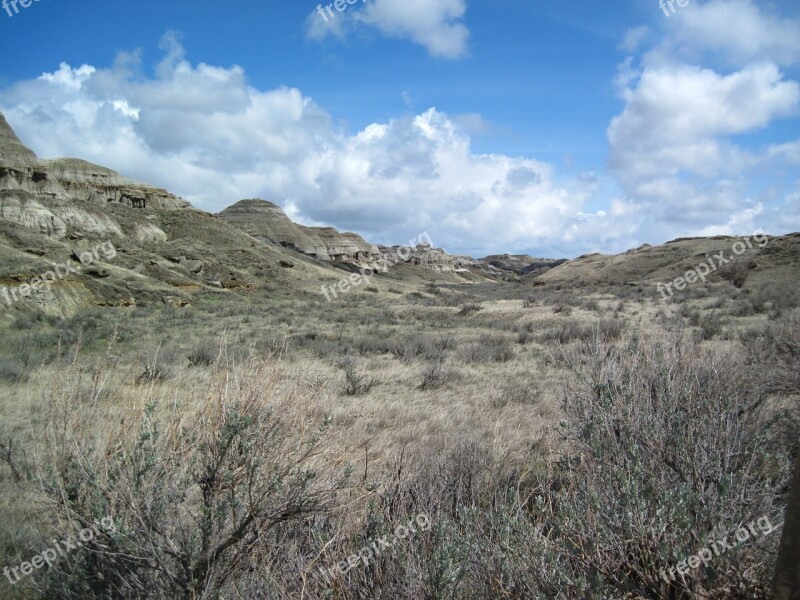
169, 251
561, 428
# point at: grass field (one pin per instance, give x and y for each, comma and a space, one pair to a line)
560, 441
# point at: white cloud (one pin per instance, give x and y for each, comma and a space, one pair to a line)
437, 25
738, 30
678, 119
227, 140
676, 146
789, 152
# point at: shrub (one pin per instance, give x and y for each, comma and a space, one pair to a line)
434, 376
736, 273
563, 334
710, 325
563, 310
610, 329
28, 320
661, 443
160, 368
468, 309
524, 335
356, 384
590, 304
203, 355
419, 346
13, 371
191, 495
487, 349
741, 308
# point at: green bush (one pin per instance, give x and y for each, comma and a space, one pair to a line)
13, 370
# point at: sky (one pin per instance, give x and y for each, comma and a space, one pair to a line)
496, 126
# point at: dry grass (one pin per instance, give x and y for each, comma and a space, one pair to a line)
455, 416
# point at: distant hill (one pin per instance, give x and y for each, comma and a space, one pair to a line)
168, 251
742, 262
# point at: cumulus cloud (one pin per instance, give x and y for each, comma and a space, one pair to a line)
737, 31
437, 25
227, 140
676, 148
678, 118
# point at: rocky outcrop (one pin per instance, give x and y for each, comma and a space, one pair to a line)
148, 233
22, 207
70, 179
84, 219
268, 223
426, 256
92, 183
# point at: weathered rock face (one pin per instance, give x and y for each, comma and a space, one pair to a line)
22, 207
428, 257
264, 221
268, 223
69, 179
92, 183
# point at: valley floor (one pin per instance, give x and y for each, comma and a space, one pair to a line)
546, 442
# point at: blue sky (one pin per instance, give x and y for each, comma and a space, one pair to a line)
506, 126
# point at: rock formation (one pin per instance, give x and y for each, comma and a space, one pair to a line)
50, 196
68, 197
428, 257
268, 223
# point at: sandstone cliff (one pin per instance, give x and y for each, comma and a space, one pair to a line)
268, 223
51, 196
426, 256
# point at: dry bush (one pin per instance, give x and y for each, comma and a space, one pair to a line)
203, 354
418, 346
737, 272
778, 349
434, 376
193, 485
562, 333
13, 370
468, 309
356, 384
666, 452
487, 349
525, 334
665, 442
562, 309
160, 367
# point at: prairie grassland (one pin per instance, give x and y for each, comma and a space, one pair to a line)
563, 444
